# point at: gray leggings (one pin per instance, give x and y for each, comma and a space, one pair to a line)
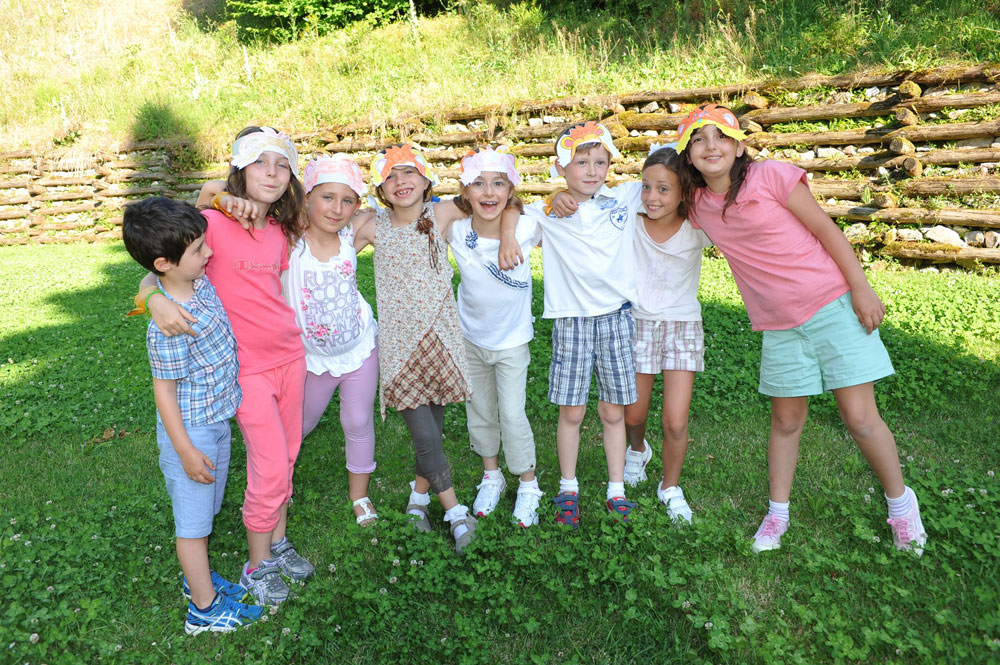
426, 425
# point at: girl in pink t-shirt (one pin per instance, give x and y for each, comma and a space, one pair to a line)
246, 272
803, 286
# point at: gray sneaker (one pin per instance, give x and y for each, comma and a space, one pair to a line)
420, 522
463, 541
265, 583
291, 562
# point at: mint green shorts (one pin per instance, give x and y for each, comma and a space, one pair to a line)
829, 351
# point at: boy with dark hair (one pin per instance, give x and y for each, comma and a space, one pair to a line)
196, 393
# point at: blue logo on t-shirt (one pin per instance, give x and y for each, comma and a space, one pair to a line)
619, 216
604, 202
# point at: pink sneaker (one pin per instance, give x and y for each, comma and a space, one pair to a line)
768, 536
908, 529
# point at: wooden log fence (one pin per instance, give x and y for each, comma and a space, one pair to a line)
886, 171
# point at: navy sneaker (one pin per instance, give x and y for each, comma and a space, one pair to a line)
224, 615
568, 509
222, 586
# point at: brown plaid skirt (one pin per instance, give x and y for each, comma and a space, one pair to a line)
430, 376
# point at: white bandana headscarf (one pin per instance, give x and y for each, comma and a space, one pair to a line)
488, 159
247, 149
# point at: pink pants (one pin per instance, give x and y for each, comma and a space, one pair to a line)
270, 418
357, 405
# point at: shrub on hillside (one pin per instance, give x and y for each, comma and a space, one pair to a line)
284, 20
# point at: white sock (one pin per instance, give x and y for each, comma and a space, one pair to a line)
616, 490
456, 513
779, 509
492, 475
901, 505
665, 495
526, 484
418, 498
569, 485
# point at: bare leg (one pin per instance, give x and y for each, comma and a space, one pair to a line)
637, 412
421, 485
357, 487
259, 545
860, 414
279, 528
613, 418
491, 463
568, 438
192, 553
677, 387
788, 417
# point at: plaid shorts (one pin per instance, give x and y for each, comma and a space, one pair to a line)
583, 344
669, 345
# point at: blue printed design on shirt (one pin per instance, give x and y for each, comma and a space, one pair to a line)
471, 239
604, 202
619, 216
505, 278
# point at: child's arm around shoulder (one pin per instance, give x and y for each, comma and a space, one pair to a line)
193, 460
509, 254
867, 304
239, 209
171, 318
364, 228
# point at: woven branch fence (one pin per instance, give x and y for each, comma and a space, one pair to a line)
914, 178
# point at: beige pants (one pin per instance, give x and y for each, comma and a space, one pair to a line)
495, 410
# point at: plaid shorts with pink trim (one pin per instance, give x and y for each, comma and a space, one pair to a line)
668, 345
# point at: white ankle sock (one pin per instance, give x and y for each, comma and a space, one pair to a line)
525, 484
456, 513
779, 509
491, 474
901, 505
418, 498
569, 485
616, 489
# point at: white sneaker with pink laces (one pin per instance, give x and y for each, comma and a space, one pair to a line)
768, 536
908, 531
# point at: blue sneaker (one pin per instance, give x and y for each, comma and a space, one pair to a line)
222, 586
568, 509
224, 615
620, 507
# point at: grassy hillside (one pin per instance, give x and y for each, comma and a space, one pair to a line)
86, 72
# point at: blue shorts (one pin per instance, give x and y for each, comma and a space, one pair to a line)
829, 351
583, 344
195, 504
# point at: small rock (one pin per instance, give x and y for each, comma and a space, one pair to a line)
960, 230
978, 142
794, 96
957, 113
650, 108
991, 239
909, 235
455, 128
674, 107
849, 150
882, 171
535, 122
634, 109
809, 176
945, 236
828, 153
935, 92
931, 269
764, 153
477, 124
831, 202
924, 148
634, 132
650, 132
932, 115
842, 97
866, 150
977, 238
856, 232
995, 144
808, 154
552, 119
872, 92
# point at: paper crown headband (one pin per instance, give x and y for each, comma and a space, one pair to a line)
488, 159
709, 114
248, 148
338, 168
399, 155
588, 132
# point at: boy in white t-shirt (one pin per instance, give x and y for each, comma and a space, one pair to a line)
589, 287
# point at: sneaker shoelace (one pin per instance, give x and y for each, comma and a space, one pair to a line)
771, 526
901, 527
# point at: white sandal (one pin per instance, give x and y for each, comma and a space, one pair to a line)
369, 515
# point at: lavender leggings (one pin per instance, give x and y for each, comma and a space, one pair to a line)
357, 401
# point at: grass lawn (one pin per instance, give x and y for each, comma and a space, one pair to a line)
88, 571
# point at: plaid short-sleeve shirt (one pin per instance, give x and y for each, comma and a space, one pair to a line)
205, 367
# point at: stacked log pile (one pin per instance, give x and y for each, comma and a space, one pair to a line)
914, 173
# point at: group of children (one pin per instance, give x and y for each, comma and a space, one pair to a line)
272, 324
